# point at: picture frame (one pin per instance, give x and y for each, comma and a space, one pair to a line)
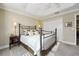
69, 24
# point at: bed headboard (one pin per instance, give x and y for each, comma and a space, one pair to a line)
28, 28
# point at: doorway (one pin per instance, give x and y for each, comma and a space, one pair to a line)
77, 29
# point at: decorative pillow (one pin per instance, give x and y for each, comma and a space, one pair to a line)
36, 32
25, 32
30, 33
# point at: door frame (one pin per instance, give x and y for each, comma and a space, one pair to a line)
76, 28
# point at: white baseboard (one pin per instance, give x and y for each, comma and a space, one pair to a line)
5, 46
67, 42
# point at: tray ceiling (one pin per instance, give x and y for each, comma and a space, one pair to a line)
37, 9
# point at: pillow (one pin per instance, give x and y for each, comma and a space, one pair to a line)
30, 33
25, 32
36, 33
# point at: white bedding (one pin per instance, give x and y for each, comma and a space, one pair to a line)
34, 42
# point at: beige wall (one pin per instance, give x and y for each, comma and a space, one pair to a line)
53, 23
7, 20
69, 33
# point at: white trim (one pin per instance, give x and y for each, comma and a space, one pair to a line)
75, 28
68, 42
5, 46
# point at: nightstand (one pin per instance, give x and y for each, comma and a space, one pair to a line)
13, 40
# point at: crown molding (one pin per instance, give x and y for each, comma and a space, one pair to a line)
20, 13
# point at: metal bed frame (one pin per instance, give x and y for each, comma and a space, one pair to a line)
41, 33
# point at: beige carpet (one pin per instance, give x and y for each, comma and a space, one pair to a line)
15, 51
67, 50
60, 49
21, 51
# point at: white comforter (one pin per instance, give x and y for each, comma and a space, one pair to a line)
34, 42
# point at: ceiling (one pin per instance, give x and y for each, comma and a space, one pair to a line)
39, 10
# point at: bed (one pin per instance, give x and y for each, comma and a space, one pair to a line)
39, 40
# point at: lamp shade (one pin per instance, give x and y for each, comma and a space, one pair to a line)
15, 23
39, 24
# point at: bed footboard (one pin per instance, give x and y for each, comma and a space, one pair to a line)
51, 34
